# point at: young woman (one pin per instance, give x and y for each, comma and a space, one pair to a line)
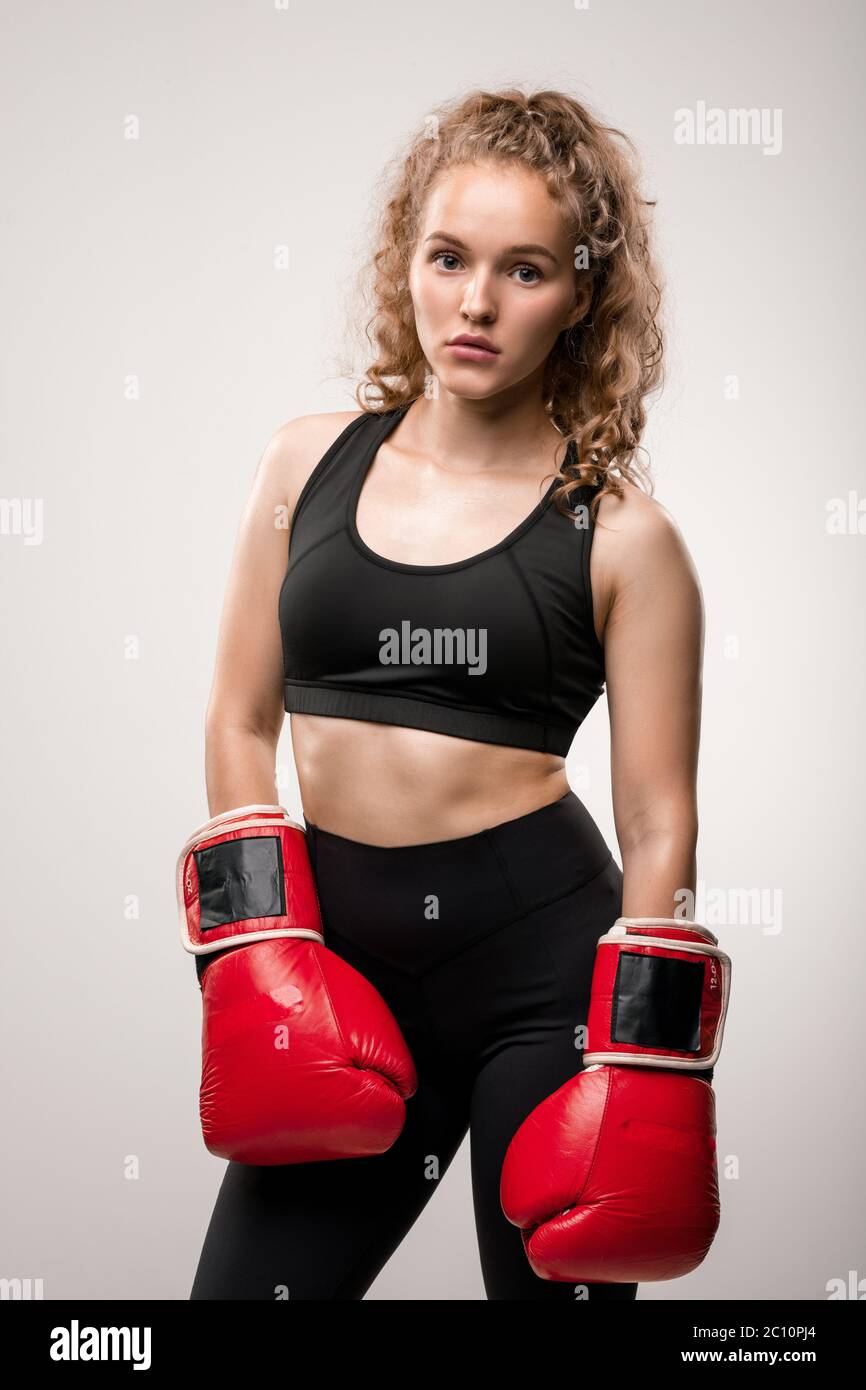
470, 561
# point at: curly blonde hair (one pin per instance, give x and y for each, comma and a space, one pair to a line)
600, 370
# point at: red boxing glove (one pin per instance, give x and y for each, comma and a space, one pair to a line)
301, 1057
613, 1178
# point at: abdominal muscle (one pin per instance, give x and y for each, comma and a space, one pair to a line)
386, 785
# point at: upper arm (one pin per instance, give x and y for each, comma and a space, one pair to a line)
653, 643
247, 690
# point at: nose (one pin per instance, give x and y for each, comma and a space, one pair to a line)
478, 303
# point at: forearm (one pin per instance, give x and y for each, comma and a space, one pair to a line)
656, 870
240, 768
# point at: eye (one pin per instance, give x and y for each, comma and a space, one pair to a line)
449, 254
534, 270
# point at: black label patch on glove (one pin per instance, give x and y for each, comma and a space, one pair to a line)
239, 879
657, 1002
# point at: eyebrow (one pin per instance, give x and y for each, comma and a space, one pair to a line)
530, 249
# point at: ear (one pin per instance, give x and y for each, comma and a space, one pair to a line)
582, 299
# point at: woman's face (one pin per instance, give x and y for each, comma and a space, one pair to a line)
493, 260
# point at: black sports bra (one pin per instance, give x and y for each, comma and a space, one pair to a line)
499, 647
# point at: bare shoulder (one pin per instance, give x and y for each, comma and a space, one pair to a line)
637, 545
294, 449
635, 531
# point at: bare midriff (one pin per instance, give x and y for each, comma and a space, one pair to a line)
383, 784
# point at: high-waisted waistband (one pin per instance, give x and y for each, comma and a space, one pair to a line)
447, 892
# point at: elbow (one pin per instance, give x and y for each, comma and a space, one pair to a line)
678, 838
219, 729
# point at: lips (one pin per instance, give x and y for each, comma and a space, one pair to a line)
468, 350
466, 340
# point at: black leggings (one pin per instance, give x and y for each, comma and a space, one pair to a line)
484, 949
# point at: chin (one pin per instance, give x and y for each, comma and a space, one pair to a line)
456, 384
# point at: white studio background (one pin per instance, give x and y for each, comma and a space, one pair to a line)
155, 159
